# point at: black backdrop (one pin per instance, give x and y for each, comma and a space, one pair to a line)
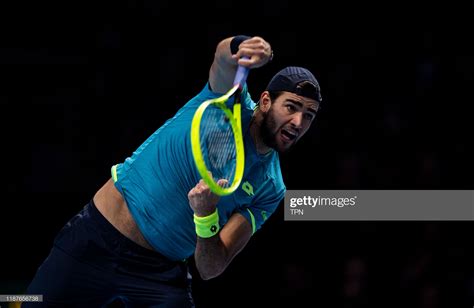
84, 83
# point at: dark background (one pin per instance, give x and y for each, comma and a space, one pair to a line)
82, 84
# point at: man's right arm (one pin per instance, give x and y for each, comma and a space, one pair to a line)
224, 66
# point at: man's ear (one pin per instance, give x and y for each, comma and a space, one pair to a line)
265, 101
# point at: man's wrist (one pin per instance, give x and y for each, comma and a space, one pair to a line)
207, 226
204, 213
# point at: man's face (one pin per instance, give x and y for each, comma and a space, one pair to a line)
287, 120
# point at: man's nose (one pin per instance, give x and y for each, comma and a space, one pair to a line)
297, 119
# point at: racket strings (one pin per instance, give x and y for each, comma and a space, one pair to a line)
218, 144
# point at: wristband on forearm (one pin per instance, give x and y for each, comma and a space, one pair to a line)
234, 44
207, 226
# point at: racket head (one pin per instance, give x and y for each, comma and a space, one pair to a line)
217, 143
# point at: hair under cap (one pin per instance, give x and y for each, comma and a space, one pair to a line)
290, 79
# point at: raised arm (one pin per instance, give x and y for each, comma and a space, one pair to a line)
224, 66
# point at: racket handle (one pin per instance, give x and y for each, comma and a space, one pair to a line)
241, 75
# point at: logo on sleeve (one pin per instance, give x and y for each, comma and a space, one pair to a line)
247, 188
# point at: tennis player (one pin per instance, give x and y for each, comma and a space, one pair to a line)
131, 243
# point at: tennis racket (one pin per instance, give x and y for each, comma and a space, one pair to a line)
216, 139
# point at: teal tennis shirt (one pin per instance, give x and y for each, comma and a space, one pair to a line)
156, 178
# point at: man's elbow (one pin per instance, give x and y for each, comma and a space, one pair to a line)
210, 273
207, 276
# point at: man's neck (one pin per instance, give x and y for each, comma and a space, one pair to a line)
260, 146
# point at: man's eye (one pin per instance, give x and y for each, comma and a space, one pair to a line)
309, 116
290, 108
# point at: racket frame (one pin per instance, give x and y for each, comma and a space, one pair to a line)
236, 124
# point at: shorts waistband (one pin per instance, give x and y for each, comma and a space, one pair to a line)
112, 234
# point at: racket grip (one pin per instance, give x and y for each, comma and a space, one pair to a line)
241, 74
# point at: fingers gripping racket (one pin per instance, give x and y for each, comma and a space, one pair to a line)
216, 139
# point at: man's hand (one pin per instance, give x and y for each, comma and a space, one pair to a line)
202, 200
256, 49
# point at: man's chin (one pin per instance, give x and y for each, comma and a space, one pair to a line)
280, 147
284, 148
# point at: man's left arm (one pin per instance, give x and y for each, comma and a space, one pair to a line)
214, 254
215, 250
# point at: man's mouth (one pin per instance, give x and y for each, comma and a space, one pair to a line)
288, 135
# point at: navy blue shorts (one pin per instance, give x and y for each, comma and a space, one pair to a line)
93, 265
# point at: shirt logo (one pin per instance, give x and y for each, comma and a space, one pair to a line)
248, 188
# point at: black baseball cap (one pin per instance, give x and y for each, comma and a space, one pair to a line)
290, 79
